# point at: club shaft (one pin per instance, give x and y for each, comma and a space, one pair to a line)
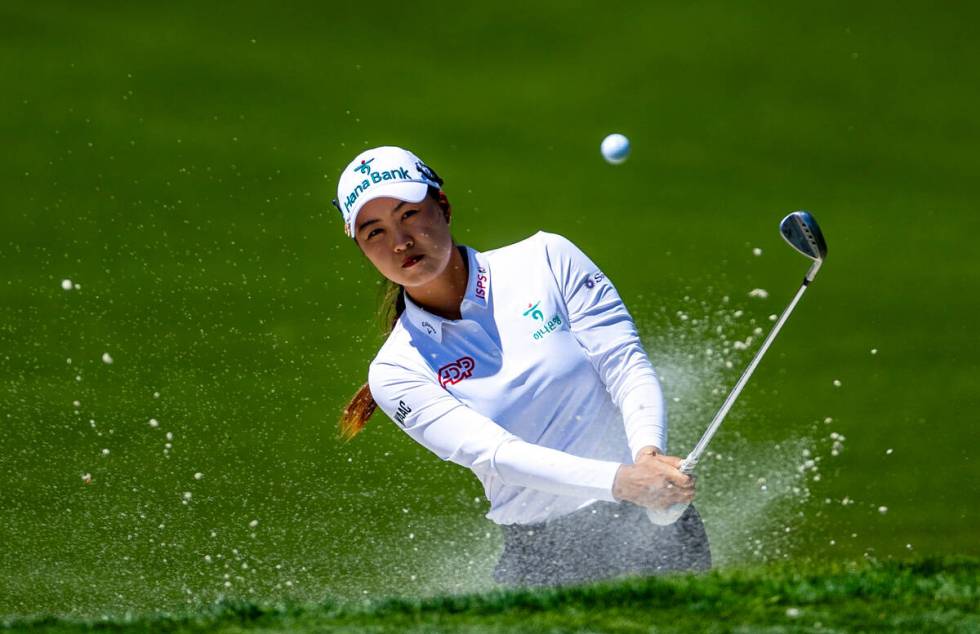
692, 459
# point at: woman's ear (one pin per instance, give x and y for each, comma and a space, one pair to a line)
447, 209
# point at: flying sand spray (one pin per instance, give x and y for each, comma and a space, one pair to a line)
801, 231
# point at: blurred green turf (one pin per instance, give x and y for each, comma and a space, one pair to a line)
177, 162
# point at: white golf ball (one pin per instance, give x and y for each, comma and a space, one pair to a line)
615, 148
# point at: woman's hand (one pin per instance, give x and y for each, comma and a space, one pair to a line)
653, 481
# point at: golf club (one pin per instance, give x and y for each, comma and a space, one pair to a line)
801, 231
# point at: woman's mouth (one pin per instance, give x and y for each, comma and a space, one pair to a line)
411, 261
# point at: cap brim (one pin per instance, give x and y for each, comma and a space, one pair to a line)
411, 192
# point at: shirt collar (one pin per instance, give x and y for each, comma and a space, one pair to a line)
476, 299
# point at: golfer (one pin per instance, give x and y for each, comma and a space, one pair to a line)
523, 365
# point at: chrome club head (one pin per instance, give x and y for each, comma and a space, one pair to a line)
801, 231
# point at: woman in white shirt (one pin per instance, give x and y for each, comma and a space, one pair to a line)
522, 364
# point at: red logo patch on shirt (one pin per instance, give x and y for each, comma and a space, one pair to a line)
456, 371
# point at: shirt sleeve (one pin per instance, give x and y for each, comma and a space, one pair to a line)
600, 322
438, 421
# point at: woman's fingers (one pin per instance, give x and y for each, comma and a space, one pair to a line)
655, 481
679, 494
667, 467
667, 497
681, 480
674, 461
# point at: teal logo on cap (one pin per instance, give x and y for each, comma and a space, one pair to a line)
398, 174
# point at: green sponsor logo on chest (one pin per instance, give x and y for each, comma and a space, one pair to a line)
547, 326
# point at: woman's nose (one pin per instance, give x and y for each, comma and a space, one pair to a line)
403, 241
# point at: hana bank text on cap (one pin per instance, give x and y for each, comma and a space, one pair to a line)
382, 171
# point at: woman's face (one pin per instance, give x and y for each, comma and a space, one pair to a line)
409, 243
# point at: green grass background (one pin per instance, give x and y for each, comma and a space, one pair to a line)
177, 161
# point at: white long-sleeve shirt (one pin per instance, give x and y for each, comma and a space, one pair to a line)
542, 388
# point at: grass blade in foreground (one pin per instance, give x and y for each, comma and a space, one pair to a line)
926, 595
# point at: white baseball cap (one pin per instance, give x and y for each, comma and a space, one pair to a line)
382, 171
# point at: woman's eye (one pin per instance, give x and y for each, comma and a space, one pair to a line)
373, 232
409, 213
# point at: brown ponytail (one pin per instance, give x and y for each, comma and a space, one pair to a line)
360, 408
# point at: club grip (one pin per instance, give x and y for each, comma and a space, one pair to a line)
667, 516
